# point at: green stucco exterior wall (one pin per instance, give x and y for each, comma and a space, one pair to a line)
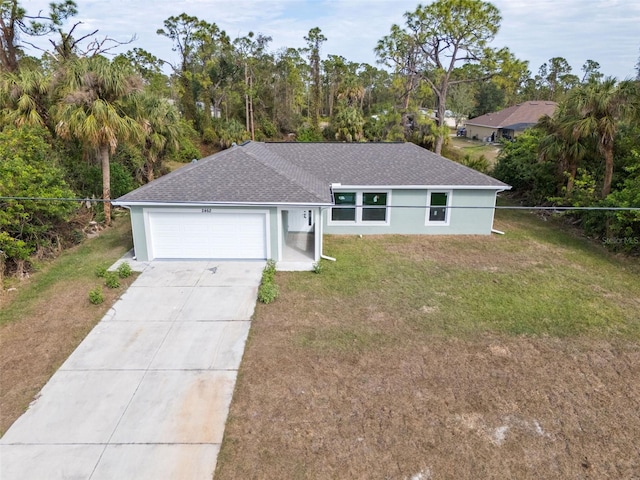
407, 215
409, 209
139, 232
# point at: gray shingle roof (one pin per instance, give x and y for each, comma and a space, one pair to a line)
272, 173
526, 112
379, 164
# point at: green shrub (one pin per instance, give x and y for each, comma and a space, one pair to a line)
318, 267
28, 168
225, 133
187, 151
124, 270
348, 124
268, 128
309, 134
122, 180
519, 166
268, 292
209, 136
101, 271
481, 164
95, 296
269, 270
112, 280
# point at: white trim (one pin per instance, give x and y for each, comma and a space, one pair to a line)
214, 204
317, 233
448, 211
493, 211
147, 225
359, 207
280, 235
484, 126
424, 187
302, 205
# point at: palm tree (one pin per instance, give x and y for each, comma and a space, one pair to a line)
559, 144
599, 108
24, 97
91, 109
162, 128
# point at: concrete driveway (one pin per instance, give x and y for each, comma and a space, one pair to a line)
147, 393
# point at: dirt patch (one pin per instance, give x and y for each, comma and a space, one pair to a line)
415, 405
479, 254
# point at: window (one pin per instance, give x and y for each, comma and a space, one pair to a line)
370, 214
437, 211
344, 214
368, 207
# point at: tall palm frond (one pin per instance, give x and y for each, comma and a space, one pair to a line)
92, 95
24, 97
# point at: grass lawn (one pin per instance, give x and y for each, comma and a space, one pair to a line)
49, 314
475, 148
514, 356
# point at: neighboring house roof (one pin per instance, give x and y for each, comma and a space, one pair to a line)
291, 173
521, 115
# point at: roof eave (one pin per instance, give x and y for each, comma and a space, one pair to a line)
422, 187
151, 203
482, 125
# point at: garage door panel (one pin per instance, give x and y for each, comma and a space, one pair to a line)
207, 235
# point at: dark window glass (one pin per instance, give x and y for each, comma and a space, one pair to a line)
374, 214
344, 214
437, 212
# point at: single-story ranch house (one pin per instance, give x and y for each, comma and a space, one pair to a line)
277, 200
509, 122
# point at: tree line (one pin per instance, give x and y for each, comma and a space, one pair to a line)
586, 155
96, 125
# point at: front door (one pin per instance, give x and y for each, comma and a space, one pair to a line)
300, 220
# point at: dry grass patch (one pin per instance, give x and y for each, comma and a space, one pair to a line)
475, 148
50, 314
411, 356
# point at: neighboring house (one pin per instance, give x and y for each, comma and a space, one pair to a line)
451, 119
277, 200
215, 111
510, 122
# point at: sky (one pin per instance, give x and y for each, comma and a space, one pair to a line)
606, 31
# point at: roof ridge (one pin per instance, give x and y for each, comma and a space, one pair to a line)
283, 172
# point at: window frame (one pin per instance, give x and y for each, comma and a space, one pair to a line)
355, 208
448, 211
360, 207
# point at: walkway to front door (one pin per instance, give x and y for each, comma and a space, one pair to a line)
299, 235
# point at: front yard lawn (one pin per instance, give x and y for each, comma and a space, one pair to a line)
514, 356
48, 315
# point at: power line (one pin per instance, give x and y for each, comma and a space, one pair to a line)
497, 207
463, 207
39, 199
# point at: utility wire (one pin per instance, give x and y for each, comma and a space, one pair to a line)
470, 207
56, 199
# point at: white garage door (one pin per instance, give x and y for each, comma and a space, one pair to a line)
206, 234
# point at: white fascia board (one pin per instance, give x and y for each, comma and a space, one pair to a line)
220, 204
423, 187
481, 125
